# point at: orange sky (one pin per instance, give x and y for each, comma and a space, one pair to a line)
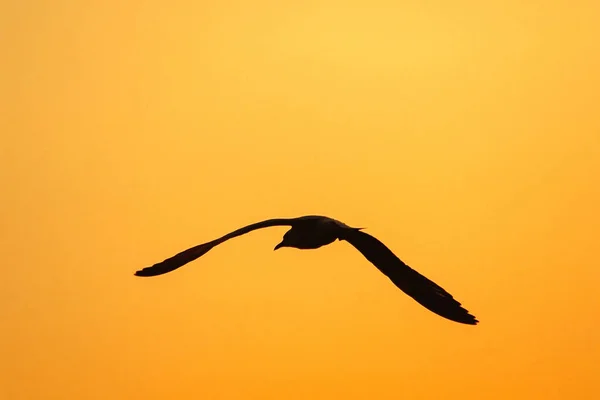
465, 136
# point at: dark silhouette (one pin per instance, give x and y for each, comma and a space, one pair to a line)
312, 232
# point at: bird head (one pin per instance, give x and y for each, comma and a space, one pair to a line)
280, 245
289, 239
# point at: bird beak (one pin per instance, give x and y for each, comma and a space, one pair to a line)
278, 246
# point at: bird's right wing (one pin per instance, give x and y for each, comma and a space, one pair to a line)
189, 255
424, 291
178, 260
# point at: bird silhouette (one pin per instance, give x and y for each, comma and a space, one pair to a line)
314, 231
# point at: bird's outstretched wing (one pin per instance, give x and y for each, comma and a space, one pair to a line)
423, 290
193, 253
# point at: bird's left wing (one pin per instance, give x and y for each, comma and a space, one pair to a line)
424, 291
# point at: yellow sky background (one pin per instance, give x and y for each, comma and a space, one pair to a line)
465, 135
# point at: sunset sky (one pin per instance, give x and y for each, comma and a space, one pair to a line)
465, 135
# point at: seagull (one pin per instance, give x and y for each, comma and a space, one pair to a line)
314, 231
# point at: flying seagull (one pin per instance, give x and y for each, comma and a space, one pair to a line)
314, 231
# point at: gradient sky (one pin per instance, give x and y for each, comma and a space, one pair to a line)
465, 135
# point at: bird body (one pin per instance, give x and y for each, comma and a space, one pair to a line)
314, 231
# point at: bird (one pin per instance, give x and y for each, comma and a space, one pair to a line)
314, 231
